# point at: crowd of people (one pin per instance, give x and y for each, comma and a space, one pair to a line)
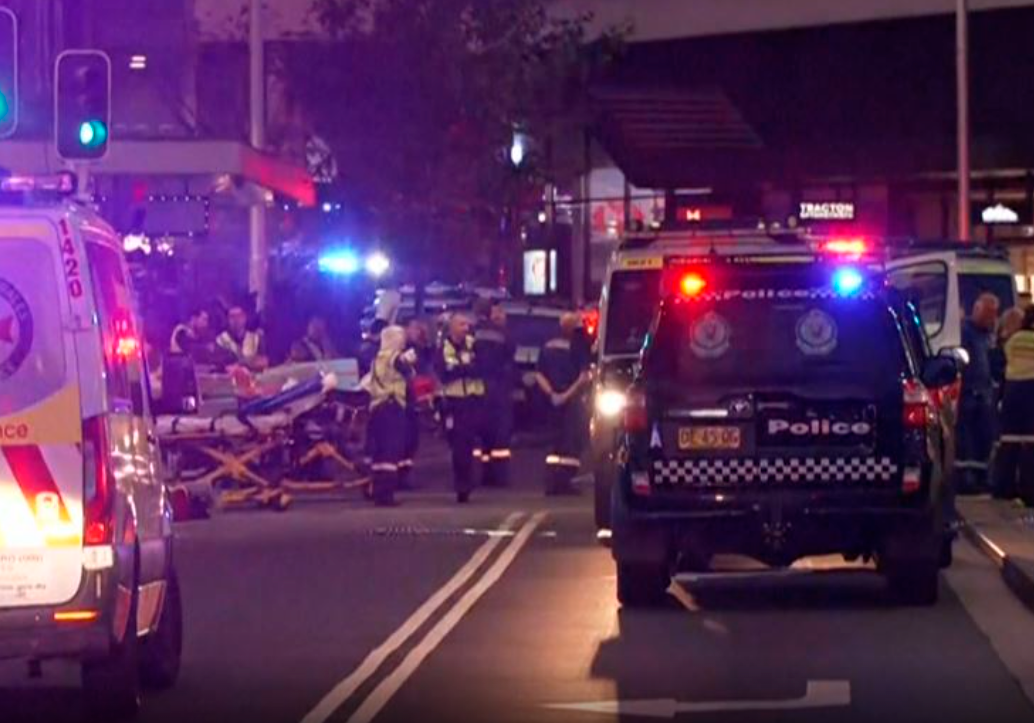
996, 407
475, 368
470, 363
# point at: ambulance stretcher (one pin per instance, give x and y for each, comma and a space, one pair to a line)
269, 447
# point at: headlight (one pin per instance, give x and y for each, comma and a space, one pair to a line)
610, 402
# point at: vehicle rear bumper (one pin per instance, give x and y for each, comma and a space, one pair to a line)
34, 634
776, 526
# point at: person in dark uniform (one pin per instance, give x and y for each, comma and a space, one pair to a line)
563, 376
389, 377
316, 345
976, 425
495, 351
463, 392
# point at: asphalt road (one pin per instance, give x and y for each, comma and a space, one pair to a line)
504, 610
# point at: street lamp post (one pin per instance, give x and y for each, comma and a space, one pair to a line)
962, 79
258, 259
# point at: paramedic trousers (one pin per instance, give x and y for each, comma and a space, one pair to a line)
568, 425
976, 435
1013, 473
497, 421
411, 444
387, 444
463, 423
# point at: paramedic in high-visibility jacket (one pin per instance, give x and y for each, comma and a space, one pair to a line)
388, 381
494, 350
463, 393
563, 376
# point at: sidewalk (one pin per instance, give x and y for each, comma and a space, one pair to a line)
1004, 531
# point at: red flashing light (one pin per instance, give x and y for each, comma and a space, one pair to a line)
592, 322
127, 347
692, 284
850, 248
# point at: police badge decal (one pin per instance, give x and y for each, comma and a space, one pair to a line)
816, 333
15, 330
710, 336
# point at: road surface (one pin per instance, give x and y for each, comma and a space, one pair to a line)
504, 611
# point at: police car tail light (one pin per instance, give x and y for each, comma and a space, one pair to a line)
692, 284
845, 248
635, 419
917, 405
99, 494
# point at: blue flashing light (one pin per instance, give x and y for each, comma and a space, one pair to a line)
847, 281
340, 262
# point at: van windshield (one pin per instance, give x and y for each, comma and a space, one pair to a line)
32, 356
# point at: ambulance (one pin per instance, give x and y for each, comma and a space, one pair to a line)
86, 564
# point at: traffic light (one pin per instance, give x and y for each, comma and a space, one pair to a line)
8, 72
82, 104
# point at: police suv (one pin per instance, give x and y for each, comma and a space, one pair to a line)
786, 405
86, 565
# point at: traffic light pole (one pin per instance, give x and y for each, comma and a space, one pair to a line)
258, 259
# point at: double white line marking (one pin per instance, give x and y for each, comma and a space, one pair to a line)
383, 693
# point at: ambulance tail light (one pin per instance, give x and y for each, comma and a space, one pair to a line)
635, 416
99, 493
918, 406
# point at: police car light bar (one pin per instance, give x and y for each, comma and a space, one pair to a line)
851, 248
61, 183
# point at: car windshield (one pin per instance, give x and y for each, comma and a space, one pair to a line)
760, 344
631, 305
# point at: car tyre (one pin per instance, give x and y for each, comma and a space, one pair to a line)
601, 501
642, 585
111, 685
915, 583
161, 652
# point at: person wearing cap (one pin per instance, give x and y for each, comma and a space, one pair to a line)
463, 392
494, 351
563, 376
388, 382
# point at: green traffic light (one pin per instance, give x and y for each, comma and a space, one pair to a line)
92, 133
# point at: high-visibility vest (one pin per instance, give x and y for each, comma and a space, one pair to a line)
464, 386
386, 382
1019, 357
248, 348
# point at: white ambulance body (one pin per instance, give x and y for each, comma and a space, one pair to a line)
85, 531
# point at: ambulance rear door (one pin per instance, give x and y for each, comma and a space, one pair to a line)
41, 466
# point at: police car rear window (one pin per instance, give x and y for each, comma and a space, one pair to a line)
766, 343
631, 305
32, 356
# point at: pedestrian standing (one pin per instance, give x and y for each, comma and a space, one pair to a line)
388, 381
463, 393
563, 376
494, 350
976, 425
1017, 418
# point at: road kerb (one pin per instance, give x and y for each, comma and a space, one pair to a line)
1019, 581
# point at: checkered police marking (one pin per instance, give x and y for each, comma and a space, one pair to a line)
732, 471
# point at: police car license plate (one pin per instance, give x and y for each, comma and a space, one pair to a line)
709, 438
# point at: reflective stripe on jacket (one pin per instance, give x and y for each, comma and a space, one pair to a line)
456, 370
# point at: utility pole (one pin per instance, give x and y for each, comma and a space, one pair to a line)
258, 260
962, 79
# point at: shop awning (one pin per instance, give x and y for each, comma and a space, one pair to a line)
175, 158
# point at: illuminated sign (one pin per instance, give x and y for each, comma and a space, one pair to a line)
698, 214
826, 211
999, 213
535, 272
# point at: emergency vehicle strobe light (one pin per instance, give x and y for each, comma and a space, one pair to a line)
847, 281
846, 248
692, 284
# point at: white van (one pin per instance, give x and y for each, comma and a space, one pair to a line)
946, 280
86, 566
